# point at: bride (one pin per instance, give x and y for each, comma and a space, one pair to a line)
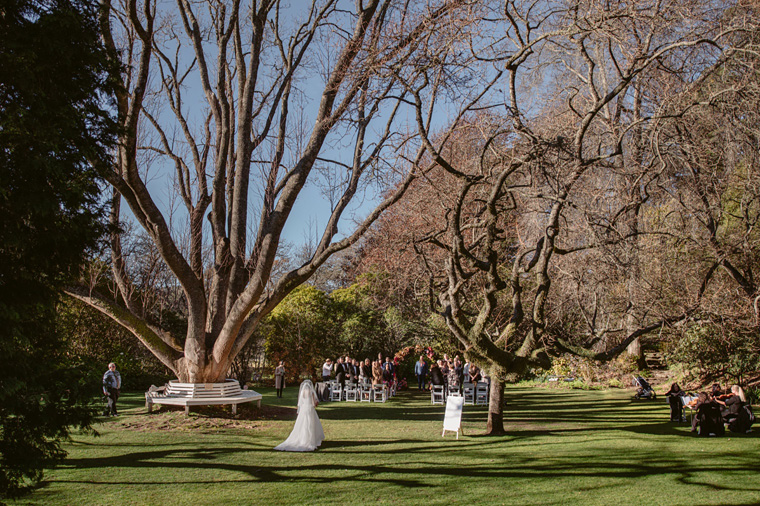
307, 433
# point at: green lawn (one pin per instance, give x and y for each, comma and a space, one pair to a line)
563, 447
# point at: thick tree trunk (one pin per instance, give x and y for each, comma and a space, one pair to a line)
495, 426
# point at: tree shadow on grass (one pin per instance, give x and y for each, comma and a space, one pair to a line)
533, 420
320, 467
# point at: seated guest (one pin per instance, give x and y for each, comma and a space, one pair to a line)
675, 395
474, 373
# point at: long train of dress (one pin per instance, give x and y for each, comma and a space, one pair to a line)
307, 433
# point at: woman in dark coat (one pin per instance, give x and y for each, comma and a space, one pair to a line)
675, 398
708, 416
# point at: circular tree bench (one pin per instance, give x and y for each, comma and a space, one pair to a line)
175, 393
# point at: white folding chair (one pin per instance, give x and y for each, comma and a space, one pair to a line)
436, 394
379, 393
336, 392
468, 389
351, 392
365, 392
481, 393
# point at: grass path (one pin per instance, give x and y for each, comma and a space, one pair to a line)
563, 447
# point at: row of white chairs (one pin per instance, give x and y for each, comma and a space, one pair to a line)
474, 393
361, 392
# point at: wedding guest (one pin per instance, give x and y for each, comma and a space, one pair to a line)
466, 370
340, 372
367, 371
356, 370
279, 378
453, 380
327, 370
387, 373
474, 373
459, 370
377, 373
436, 376
388, 364
421, 370
111, 389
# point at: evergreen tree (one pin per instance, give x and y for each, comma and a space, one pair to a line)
55, 134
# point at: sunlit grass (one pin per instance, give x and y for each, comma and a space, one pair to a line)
590, 447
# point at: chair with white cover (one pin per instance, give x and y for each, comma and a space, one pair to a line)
468, 389
481, 393
436, 394
379, 393
351, 392
336, 392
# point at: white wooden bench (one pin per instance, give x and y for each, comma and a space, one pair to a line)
175, 393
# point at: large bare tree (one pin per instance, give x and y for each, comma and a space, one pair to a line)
557, 174
247, 103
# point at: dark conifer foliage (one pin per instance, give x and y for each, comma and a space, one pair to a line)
55, 135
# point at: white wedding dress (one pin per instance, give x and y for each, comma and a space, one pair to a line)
307, 433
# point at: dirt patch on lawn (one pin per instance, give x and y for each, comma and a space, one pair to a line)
202, 418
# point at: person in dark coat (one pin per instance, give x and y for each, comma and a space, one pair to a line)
367, 371
733, 403
340, 372
436, 375
708, 416
675, 399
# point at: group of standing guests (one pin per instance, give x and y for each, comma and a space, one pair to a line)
714, 410
346, 368
451, 373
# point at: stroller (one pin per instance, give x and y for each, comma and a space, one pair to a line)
645, 391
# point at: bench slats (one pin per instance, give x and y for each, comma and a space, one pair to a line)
200, 394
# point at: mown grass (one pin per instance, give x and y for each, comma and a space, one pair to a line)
563, 447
